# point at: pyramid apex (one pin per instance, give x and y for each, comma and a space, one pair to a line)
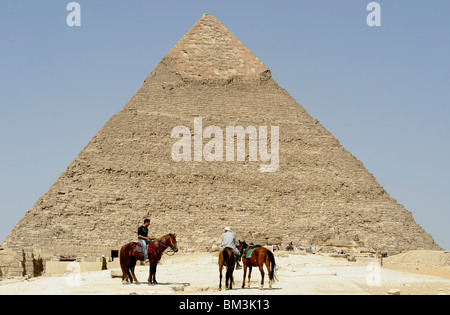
209, 52
207, 15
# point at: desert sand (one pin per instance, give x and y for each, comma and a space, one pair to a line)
298, 274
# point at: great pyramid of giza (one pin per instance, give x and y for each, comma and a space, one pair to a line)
316, 192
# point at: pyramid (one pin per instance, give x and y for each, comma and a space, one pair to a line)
317, 193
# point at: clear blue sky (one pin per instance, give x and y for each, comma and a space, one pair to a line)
383, 92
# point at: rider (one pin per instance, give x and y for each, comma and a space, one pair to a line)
144, 238
229, 240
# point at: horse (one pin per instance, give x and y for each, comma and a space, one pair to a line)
290, 247
129, 255
258, 258
226, 258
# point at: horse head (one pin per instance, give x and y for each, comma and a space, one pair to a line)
242, 246
172, 242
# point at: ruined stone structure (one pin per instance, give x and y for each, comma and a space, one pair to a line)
126, 173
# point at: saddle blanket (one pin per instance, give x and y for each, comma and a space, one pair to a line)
139, 247
250, 251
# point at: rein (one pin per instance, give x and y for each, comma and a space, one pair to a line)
166, 246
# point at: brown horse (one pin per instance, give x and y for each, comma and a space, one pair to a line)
258, 258
290, 247
129, 255
226, 258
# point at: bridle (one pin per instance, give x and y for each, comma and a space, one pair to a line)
244, 248
172, 248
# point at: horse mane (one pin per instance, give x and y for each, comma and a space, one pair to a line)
170, 235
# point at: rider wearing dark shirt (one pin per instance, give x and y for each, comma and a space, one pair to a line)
143, 237
143, 231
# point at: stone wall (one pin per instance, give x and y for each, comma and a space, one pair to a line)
20, 263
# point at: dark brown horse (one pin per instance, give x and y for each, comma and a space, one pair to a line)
258, 258
290, 247
226, 259
129, 255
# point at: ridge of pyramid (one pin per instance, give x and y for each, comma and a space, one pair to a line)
209, 52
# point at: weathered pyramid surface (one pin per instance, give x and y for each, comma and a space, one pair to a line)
318, 194
211, 53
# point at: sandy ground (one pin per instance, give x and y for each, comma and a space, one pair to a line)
197, 273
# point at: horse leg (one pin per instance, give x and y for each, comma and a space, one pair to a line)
245, 274
268, 271
220, 278
124, 273
249, 275
154, 274
149, 280
130, 270
133, 275
131, 266
229, 277
125, 279
261, 269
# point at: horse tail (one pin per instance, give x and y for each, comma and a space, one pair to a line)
228, 259
125, 255
122, 261
272, 275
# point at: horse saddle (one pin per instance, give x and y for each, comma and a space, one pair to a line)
250, 250
139, 247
